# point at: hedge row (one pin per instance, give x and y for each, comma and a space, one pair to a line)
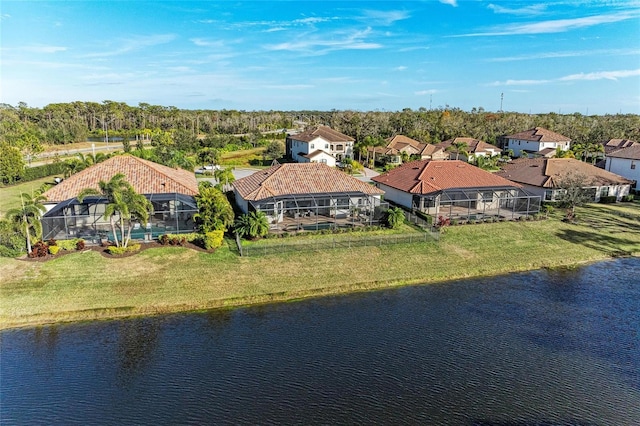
46, 170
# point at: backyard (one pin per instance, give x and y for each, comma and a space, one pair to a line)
86, 285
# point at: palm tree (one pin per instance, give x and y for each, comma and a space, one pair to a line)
214, 210
459, 148
27, 217
124, 201
373, 142
224, 177
252, 225
395, 217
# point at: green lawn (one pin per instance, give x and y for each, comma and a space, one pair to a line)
10, 195
85, 285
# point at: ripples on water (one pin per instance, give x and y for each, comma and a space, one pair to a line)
559, 347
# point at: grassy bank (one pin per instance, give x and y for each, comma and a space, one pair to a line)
84, 286
10, 195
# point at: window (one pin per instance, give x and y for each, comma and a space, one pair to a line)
323, 160
604, 191
326, 146
312, 146
339, 148
633, 165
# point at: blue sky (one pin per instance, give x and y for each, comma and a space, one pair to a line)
554, 56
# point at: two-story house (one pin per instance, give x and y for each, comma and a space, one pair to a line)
625, 162
535, 140
318, 144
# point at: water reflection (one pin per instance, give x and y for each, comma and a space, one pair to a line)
136, 347
550, 347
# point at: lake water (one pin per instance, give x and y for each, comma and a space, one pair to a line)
539, 348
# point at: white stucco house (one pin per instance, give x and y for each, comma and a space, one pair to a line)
625, 162
319, 138
455, 189
534, 140
318, 156
474, 148
544, 177
311, 196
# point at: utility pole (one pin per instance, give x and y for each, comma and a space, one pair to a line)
501, 99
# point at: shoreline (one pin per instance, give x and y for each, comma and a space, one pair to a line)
121, 313
86, 286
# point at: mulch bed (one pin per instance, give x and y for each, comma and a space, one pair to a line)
103, 251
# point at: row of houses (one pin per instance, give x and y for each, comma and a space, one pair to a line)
324, 145
312, 194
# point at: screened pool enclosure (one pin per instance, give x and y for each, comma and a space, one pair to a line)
310, 212
172, 213
479, 203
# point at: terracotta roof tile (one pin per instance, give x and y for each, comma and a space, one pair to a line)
632, 152
539, 134
324, 132
613, 145
145, 176
474, 146
298, 179
429, 176
547, 172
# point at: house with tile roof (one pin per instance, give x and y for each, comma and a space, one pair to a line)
171, 192
399, 144
615, 144
308, 196
474, 148
544, 177
319, 138
455, 189
625, 162
534, 140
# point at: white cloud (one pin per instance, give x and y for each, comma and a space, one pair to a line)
400, 68
320, 46
535, 9
554, 26
206, 43
135, 43
592, 76
453, 3
311, 20
4, 16
289, 86
385, 17
602, 75
426, 92
37, 48
568, 54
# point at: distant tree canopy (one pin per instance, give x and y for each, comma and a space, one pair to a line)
27, 128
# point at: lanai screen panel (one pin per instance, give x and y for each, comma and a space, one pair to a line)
172, 213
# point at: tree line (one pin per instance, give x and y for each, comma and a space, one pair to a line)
25, 131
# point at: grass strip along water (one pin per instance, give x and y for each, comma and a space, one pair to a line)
88, 286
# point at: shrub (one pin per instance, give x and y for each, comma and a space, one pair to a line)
37, 172
122, 250
443, 221
627, 198
54, 250
80, 244
212, 239
8, 252
39, 249
610, 199
179, 239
